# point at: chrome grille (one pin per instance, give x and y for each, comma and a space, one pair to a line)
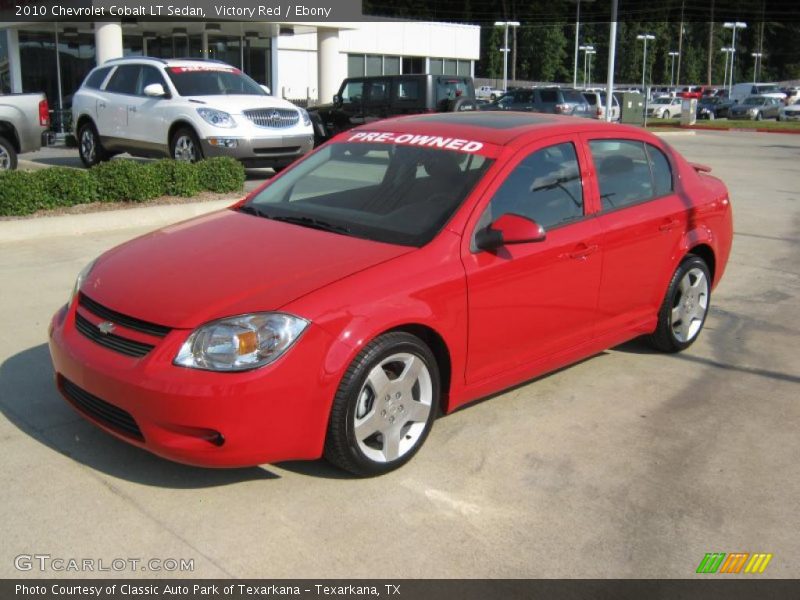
273, 117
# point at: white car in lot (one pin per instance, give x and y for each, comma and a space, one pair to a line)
664, 108
187, 110
790, 113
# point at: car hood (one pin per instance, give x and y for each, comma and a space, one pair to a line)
223, 264
235, 104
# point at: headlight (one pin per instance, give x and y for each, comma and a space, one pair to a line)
753, 111
79, 281
217, 118
240, 343
306, 118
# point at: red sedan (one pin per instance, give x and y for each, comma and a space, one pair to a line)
403, 269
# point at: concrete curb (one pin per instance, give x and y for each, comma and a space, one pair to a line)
144, 216
672, 133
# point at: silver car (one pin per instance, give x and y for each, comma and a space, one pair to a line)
756, 108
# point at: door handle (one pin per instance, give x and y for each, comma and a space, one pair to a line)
101, 105
669, 226
581, 253
131, 109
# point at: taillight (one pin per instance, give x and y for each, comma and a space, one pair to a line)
562, 108
44, 114
599, 112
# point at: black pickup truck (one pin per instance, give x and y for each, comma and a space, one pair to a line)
363, 100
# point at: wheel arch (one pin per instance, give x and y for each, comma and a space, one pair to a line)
178, 125
706, 252
82, 120
9, 132
440, 350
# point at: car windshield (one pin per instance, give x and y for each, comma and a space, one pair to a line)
209, 80
662, 100
573, 96
393, 193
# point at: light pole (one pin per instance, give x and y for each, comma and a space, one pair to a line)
504, 49
727, 52
756, 65
734, 25
644, 37
577, 36
612, 56
672, 54
585, 50
590, 53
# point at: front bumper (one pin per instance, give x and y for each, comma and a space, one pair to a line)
203, 418
276, 150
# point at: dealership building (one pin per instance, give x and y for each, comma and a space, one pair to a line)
298, 61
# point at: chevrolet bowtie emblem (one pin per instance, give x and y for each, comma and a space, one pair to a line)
106, 327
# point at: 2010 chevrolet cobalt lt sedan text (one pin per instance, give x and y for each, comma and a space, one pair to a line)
400, 270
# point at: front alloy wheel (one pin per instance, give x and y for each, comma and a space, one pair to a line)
685, 307
385, 406
185, 146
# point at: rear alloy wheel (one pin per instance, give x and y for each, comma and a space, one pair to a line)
90, 149
683, 313
385, 406
185, 146
8, 156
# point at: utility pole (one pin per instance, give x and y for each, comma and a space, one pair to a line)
680, 47
612, 54
505, 49
710, 47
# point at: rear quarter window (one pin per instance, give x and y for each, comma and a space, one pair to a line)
96, 78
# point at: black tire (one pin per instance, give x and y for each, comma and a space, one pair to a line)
665, 338
759, 116
8, 155
90, 148
341, 446
666, 115
189, 150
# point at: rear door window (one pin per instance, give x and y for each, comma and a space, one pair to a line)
548, 96
124, 80
623, 172
96, 78
662, 172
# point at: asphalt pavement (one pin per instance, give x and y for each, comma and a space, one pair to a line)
628, 464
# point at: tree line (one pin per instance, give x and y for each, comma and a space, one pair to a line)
544, 41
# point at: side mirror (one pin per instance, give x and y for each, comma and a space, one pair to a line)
337, 101
155, 90
266, 89
509, 229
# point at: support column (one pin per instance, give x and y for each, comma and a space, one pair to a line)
328, 76
108, 41
14, 62
274, 82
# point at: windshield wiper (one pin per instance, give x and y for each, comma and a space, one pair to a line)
312, 223
251, 209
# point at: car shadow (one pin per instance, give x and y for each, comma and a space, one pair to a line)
29, 400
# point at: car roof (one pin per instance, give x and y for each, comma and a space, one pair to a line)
494, 127
171, 62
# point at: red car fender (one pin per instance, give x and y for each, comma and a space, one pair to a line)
431, 291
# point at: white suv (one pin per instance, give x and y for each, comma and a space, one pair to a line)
186, 109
